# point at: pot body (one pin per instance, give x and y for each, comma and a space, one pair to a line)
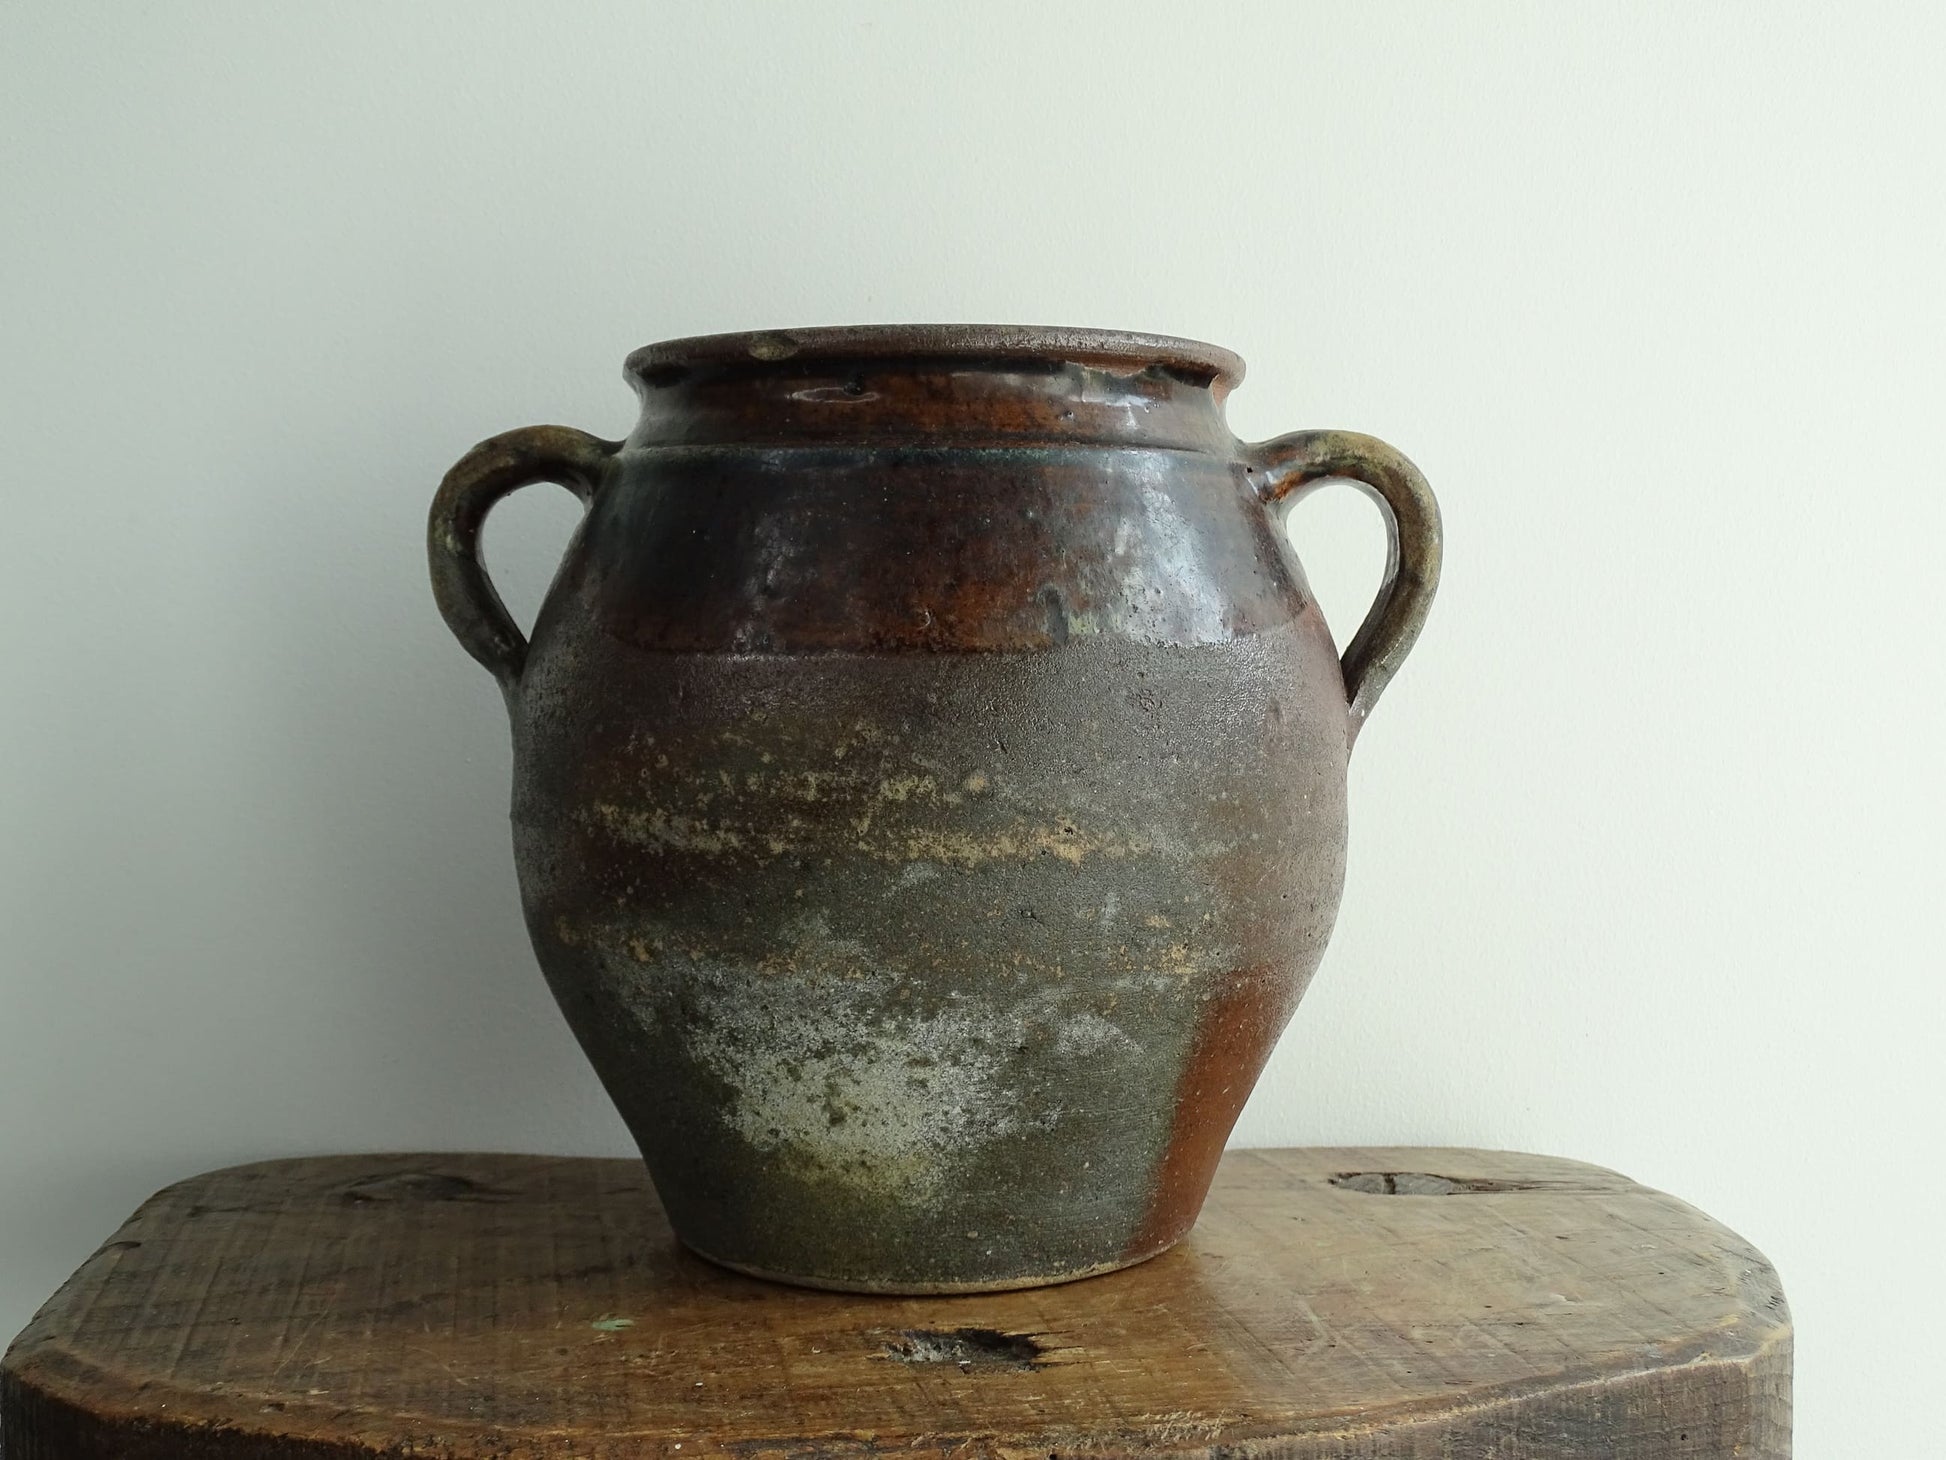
929, 800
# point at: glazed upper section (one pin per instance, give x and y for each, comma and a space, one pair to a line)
924, 549
961, 384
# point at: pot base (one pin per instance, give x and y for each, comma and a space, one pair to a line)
907, 1289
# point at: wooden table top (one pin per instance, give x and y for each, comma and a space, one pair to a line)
1367, 1302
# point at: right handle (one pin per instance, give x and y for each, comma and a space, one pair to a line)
1290, 467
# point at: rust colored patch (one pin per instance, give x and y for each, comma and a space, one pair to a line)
1238, 1030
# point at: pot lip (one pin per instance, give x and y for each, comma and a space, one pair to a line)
1113, 348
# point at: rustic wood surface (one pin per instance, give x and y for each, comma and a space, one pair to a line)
1348, 1302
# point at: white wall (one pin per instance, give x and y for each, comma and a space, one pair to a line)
1646, 863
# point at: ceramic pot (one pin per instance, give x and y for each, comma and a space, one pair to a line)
929, 781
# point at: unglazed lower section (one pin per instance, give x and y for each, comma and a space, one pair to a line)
931, 972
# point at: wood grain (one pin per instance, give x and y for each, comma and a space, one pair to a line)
1345, 1302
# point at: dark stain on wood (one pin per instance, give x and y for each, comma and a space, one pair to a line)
1426, 1183
967, 1349
417, 1186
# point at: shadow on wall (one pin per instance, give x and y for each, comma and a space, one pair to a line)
389, 756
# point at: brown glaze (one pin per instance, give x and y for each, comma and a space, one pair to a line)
929, 789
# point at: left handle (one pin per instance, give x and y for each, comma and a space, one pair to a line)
467, 598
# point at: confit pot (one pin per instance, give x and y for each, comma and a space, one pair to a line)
929, 781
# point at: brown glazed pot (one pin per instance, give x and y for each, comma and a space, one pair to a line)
929, 785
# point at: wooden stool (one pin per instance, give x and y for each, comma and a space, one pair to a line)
1362, 1303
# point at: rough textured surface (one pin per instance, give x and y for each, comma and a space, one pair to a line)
1331, 1303
930, 783
967, 1004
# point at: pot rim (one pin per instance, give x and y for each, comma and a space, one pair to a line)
1126, 350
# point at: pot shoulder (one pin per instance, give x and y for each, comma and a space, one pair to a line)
937, 549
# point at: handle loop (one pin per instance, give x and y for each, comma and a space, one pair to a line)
1294, 466
467, 598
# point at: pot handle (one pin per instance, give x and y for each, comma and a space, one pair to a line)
1290, 467
502, 464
